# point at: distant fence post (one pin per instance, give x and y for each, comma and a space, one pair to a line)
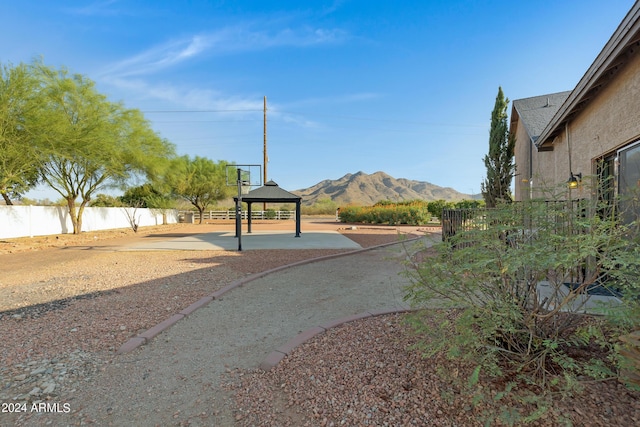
452, 220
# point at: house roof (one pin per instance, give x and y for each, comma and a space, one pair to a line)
623, 44
270, 192
536, 112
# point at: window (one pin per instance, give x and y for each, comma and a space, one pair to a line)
606, 185
629, 182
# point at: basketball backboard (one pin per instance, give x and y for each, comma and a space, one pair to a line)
250, 175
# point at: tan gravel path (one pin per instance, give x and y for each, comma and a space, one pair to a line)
175, 379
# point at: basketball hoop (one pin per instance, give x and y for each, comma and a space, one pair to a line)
250, 175
244, 177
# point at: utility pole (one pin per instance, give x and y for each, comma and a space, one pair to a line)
265, 158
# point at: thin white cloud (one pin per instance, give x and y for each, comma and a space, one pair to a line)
159, 58
289, 118
332, 8
186, 98
131, 74
228, 40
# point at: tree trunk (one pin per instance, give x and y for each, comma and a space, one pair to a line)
7, 200
201, 210
76, 215
71, 207
79, 219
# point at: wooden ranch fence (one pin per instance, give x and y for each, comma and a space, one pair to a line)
185, 216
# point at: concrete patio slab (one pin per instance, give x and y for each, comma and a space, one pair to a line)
256, 240
583, 303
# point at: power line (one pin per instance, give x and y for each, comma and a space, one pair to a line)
302, 114
205, 121
377, 119
197, 111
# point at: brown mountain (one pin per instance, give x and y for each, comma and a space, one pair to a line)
364, 189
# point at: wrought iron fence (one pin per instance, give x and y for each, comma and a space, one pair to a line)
525, 218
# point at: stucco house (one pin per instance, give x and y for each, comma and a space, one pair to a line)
590, 135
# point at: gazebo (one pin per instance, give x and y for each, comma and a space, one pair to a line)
270, 193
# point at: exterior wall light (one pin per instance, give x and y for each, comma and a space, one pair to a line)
574, 180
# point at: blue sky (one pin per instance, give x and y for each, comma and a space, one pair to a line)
404, 87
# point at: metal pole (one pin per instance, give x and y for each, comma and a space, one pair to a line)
239, 211
265, 158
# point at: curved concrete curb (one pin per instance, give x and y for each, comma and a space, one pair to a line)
278, 354
149, 334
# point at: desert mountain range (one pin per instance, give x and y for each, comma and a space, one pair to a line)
366, 189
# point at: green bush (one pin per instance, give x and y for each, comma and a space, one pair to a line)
410, 213
321, 207
435, 208
505, 277
469, 204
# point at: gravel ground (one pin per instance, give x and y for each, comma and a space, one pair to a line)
63, 312
363, 374
68, 302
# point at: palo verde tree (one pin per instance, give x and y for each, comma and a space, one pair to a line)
140, 196
499, 161
88, 143
18, 170
149, 196
200, 181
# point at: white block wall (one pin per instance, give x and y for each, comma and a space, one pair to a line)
29, 221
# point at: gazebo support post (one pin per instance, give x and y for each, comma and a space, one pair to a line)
239, 212
298, 218
236, 217
249, 217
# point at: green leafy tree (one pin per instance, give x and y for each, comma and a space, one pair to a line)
469, 204
500, 159
18, 170
147, 196
200, 181
105, 201
435, 207
161, 203
139, 196
89, 143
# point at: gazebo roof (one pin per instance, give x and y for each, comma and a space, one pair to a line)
270, 192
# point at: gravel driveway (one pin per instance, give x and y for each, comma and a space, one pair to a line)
176, 378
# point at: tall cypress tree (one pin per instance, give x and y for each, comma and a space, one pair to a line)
499, 162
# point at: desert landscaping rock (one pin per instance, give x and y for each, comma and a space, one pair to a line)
80, 305
202, 371
40, 379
